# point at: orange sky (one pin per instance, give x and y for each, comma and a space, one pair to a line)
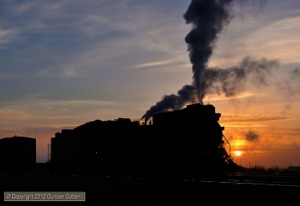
278, 143
66, 63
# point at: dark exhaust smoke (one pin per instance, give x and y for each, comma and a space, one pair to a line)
232, 81
228, 81
208, 18
290, 88
173, 101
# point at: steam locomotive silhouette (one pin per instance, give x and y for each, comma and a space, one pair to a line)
181, 143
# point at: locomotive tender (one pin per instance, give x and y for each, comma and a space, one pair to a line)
180, 143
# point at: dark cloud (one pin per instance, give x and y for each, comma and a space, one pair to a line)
252, 136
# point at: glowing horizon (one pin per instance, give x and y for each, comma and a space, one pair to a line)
238, 153
65, 64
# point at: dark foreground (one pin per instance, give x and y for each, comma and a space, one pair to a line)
105, 190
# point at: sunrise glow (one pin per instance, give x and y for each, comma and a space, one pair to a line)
238, 153
102, 66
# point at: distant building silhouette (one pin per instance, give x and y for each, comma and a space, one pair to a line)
17, 151
294, 168
185, 142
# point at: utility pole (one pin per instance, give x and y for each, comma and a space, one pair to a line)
48, 146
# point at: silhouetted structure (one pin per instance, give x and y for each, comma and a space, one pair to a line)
185, 142
17, 151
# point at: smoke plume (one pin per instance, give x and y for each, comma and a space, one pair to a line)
252, 136
229, 81
290, 88
208, 17
173, 101
232, 81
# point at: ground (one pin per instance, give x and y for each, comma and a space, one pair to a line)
114, 191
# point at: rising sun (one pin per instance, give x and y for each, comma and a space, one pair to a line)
237, 153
